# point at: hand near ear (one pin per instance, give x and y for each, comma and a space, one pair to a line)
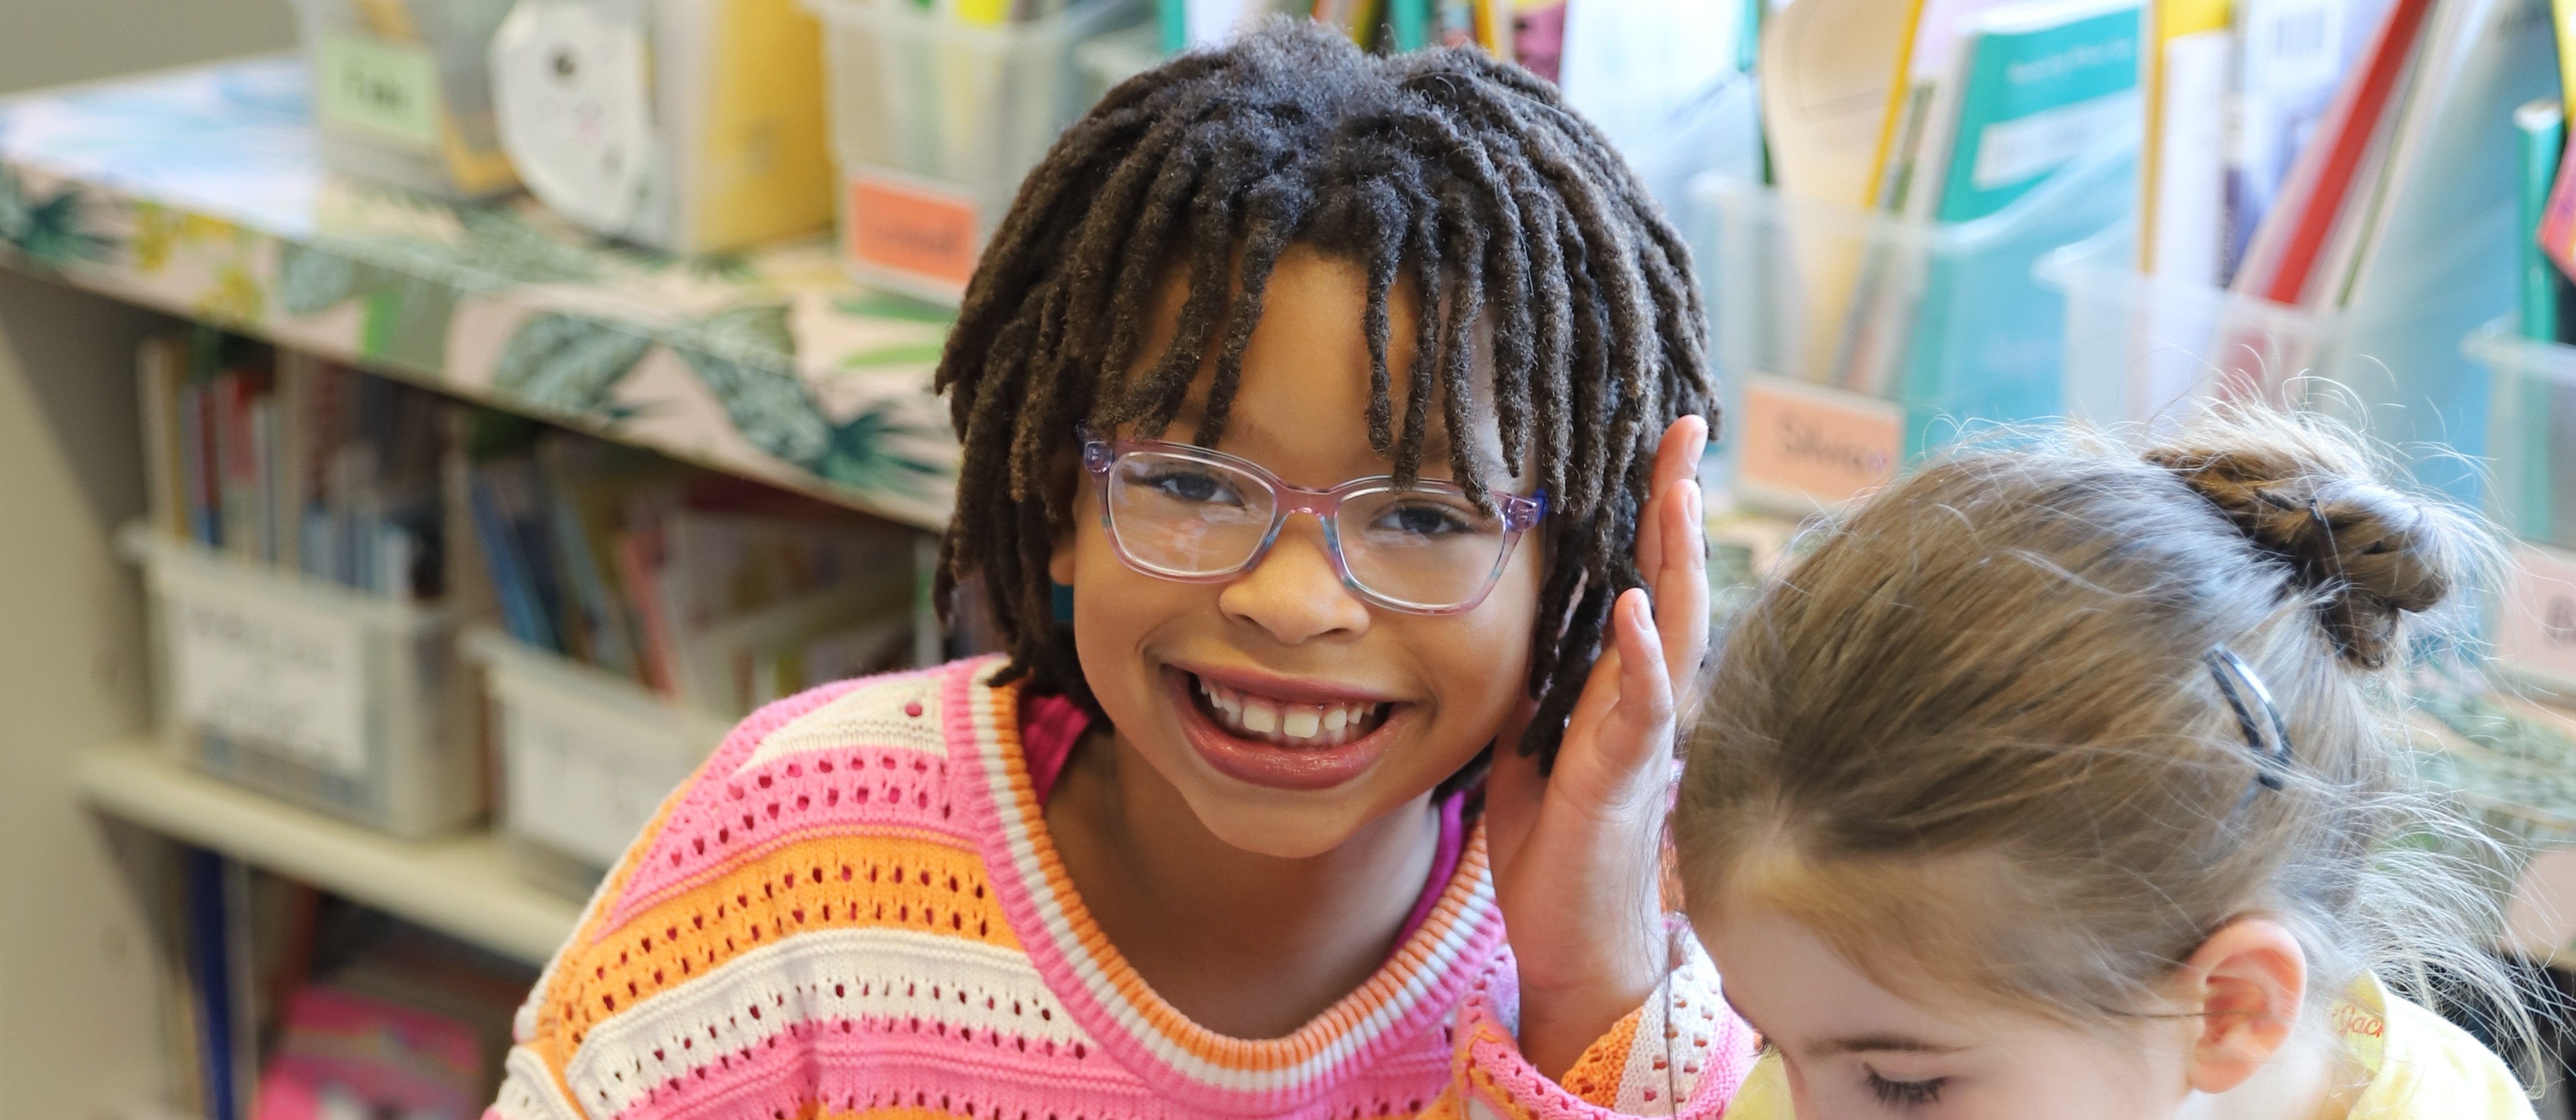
2243, 991
1577, 854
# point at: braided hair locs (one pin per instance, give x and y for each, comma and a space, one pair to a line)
1465, 179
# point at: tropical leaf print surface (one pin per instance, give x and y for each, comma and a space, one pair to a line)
53, 231
566, 364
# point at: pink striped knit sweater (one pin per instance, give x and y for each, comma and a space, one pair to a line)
855, 910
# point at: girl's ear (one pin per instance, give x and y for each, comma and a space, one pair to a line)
2245, 986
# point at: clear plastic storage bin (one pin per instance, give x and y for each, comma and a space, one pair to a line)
935, 122
586, 757
402, 92
309, 691
2137, 346
2531, 465
1850, 340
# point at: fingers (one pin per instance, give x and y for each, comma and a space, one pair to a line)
1645, 692
1681, 591
1677, 457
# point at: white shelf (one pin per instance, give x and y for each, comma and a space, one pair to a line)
461, 885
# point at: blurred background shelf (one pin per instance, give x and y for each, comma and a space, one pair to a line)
200, 192
462, 885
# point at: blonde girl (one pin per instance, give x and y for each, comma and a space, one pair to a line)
2058, 781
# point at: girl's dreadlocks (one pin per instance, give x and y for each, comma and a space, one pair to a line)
1467, 179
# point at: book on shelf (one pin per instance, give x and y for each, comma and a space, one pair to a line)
300, 1006
2034, 86
2544, 290
291, 462
713, 591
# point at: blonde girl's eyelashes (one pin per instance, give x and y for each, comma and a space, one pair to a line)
1904, 1096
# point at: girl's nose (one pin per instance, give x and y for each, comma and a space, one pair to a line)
1293, 593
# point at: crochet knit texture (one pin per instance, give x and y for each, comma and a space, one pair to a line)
855, 910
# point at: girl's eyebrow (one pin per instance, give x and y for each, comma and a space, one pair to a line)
1868, 1043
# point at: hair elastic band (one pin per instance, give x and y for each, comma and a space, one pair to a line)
2236, 681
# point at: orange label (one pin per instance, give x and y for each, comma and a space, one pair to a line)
2536, 625
1823, 444
917, 230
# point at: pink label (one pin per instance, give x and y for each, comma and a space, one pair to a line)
919, 230
1825, 444
2536, 625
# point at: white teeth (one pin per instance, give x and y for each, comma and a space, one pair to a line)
1295, 724
1260, 718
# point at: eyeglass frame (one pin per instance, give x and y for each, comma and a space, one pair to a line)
1520, 513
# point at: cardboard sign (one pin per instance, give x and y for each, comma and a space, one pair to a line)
1823, 445
2535, 631
282, 674
390, 89
916, 230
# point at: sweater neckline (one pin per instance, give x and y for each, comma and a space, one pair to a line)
1415, 990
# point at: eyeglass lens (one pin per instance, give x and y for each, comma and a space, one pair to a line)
1190, 517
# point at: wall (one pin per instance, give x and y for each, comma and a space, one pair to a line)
51, 42
80, 1028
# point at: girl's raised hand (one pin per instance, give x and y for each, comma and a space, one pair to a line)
1577, 855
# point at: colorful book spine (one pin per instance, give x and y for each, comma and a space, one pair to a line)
2542, 126
1408, 24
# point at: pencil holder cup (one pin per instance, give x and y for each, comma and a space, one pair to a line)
402, 94
2531, 465
935, 120
1849, 341
309, 691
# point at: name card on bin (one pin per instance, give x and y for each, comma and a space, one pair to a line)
919, 234
287, 675
1809, 445
583, 786
2535, 630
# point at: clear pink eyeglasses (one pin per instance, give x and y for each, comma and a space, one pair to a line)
1200, 516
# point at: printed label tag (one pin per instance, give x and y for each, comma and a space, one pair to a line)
281, 674
390, 89
583, 779
1823, 445
2536, 624
919, 231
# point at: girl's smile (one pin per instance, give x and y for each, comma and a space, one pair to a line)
1283, 733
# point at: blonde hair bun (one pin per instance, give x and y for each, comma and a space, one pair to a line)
2368, 554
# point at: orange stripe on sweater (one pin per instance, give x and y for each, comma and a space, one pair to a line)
823, 882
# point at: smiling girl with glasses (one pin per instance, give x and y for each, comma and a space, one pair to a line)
1329, 425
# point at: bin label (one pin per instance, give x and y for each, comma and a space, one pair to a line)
1822, 444
390, 89
285, 675
918, 230
584, 781
2536, 624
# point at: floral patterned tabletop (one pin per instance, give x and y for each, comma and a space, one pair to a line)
199, 192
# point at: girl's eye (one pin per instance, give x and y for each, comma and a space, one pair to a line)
1905, 1095
1197, 487
1423, 519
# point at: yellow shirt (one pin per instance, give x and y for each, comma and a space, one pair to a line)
2421, 1067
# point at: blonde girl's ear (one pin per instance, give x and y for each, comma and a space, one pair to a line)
2242, 992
